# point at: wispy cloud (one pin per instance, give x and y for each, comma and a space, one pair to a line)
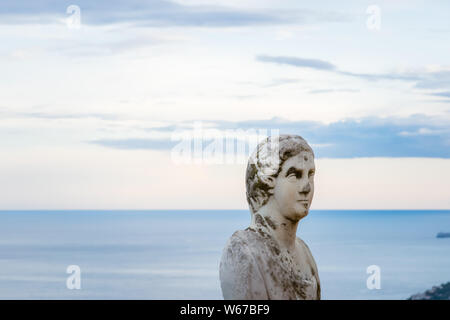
280, 82
319, 91
434, 80
445, 94
58, 116
272, 83
330, 67
414, 136
422, 80
158, 13
382, 76
298, 62
441, 94
135, 143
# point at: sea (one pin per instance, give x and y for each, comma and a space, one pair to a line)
175, 254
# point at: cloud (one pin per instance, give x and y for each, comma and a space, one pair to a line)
414, 136
422, 131
280, 82
272, 83
319, 91
298, 62
156, 13
434, 80
439, 79
90, 47
135, 144
441, 94
328, 66
445, 94
381, 76
58, 116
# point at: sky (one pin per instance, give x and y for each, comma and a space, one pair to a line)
97, 97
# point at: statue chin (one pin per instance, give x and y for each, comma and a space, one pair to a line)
300, 215
297, 214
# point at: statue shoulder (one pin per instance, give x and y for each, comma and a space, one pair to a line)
237, 246
239, 272
239, 236
244, 238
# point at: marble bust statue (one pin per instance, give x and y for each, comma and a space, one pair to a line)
267, 260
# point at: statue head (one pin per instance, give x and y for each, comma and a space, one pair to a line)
281, 169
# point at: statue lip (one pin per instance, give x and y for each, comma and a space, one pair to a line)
303, 200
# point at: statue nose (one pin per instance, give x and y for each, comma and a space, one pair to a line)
306, 189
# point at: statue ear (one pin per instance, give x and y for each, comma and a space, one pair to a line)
271, 182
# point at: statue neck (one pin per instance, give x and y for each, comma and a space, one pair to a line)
282, 229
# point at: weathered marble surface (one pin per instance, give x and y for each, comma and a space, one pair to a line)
254, 266
267, 260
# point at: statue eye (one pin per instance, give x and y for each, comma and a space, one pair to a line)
292, 172
297, 175
311, 173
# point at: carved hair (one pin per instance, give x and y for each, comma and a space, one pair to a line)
267, 161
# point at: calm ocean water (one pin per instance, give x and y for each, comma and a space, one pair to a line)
176, 254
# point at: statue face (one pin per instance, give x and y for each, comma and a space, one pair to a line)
294, 186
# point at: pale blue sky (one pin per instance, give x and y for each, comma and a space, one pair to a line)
86, 114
